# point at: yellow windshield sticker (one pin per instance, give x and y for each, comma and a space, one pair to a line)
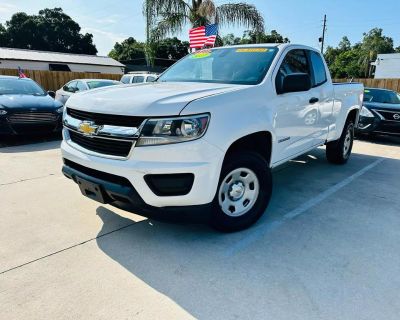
201, 54
252, 50
366, 91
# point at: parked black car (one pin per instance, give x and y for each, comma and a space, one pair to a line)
26, 108
380, 112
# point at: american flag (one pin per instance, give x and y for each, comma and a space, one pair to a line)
21, 73
203, 36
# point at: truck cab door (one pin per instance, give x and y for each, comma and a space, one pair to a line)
322, 98
296, 113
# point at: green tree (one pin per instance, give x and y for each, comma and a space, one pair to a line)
50, 30
168, 49
230, 40
129, 49
172, 15
252, 36
374, 43
348, 60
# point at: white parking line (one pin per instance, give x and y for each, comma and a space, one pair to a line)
259, 231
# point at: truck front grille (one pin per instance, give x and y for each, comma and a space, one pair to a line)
29, 117
113, 147
108, 119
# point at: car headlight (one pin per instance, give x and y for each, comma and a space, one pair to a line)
173, 130
60, 110
366, 113
2, 111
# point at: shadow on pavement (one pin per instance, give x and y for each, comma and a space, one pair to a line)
31, 143
313, 266
381, 139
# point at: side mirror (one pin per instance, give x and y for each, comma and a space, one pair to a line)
66, 88
296, 82
51, 94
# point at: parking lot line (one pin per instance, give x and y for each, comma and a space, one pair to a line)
259, 231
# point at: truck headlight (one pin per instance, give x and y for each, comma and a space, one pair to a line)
173, 130
366, 113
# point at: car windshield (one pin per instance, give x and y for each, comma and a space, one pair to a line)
21, 86
381, 96
99, 84
225, 65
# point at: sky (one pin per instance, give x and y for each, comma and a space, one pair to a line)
300, 21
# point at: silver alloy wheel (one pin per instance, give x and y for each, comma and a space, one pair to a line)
310, 119
347, 143
238, 192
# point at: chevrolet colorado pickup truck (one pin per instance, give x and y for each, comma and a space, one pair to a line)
205, 135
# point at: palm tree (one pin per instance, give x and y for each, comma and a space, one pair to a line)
170, 16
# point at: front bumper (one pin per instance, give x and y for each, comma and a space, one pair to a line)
198, 158
377, 125
7, 127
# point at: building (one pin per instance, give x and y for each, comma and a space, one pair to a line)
387, 66
55, 61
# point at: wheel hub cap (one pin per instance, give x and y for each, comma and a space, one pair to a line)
238, 192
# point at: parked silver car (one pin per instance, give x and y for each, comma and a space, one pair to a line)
138, 77
80, 85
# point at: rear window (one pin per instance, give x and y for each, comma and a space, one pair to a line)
99, 84
21, 86
381, 96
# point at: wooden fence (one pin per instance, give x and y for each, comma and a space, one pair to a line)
54, 80
391, 84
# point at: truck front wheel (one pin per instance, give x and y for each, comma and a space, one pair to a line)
243, 193
339, 151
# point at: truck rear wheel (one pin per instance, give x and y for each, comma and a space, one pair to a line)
339, 151
243, 193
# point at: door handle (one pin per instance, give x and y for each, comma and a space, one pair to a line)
314, 100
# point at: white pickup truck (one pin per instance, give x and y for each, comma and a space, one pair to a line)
204, 137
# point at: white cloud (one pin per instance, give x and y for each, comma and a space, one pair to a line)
104, 40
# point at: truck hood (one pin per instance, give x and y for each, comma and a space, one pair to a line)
148, 99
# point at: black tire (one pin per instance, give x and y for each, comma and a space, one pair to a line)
335, 150
256, 166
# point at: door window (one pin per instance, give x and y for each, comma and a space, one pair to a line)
80, 86
138, 79
125, 79
70, 87
150, 79
295, 62
318, 67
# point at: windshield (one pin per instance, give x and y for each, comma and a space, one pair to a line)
21, 86
99, 84
226, 65
381, 96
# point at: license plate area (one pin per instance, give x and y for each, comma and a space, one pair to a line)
90, 190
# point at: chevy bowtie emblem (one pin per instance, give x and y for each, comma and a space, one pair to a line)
88, 128
396, 116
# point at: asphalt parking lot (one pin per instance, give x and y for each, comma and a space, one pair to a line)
328, 247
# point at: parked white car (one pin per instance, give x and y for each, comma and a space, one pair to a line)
80, 85
138, 77
207, 134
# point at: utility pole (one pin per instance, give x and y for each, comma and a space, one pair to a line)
322, 40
